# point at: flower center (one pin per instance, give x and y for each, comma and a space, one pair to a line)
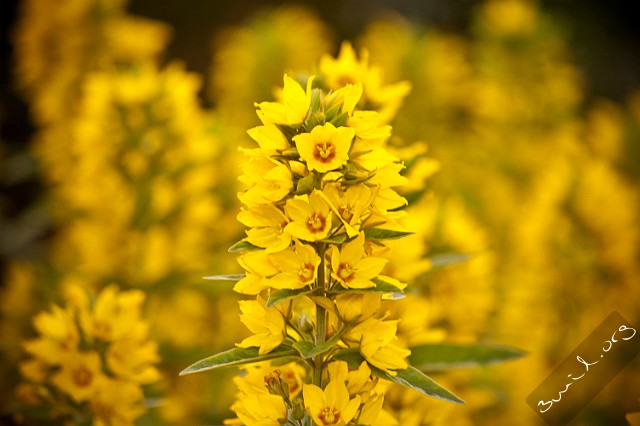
345, 272
324, 152
329, 416
82, 376
306, 273
346, 212
316, 223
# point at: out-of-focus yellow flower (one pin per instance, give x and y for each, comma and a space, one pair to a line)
346, 68
117, 403
80, 375
91, 358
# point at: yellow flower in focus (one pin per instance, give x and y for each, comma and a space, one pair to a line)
266, 223
331, 406
358, 381
294, 107
311, 217
269, 138
268, 181
267, 324
257, 267
350, 205
357, 307
351, 268
80, 375
326, 147
297, 267
375, 338
260, 409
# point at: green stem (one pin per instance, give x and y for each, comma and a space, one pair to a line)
321, 321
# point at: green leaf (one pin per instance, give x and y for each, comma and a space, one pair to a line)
237, 356
242, 245
306, 185
440, 260
336, 239
229, 277
381, 287
308, 350
285, 294
411, 377
341, 120
444, 356
352, 356
377, 234
417, 380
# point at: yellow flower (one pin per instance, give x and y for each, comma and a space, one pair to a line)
267, 223
357, 307
351, 268
59, 335
331, 406
267, 324
294, 107
268, 181
269, 138
261, 409
117, 403
258, 267
350, 205
358, 381
346, 68
375, 338
114, 315
132, 360
311, 217
80, 375
326, 147
297, 267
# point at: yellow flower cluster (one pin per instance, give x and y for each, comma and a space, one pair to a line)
320, 203
91, 359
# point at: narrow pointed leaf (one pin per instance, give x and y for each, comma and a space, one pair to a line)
242, 245
237, 356
229, 277
417, 380
285, 294
377, 234
444, 356
411, 377
336, 239
380, 287
351, 356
